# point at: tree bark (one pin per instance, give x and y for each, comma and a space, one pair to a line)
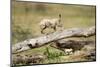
27, 59
71, 44
42, 40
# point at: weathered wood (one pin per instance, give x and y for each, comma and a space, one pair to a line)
27, 59
82, 49
71, 44
42, 40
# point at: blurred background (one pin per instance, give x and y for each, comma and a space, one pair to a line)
27, 15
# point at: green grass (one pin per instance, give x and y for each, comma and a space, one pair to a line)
26, 16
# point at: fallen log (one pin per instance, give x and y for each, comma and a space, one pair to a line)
27, 59
82, 50
42, 40
72, 44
